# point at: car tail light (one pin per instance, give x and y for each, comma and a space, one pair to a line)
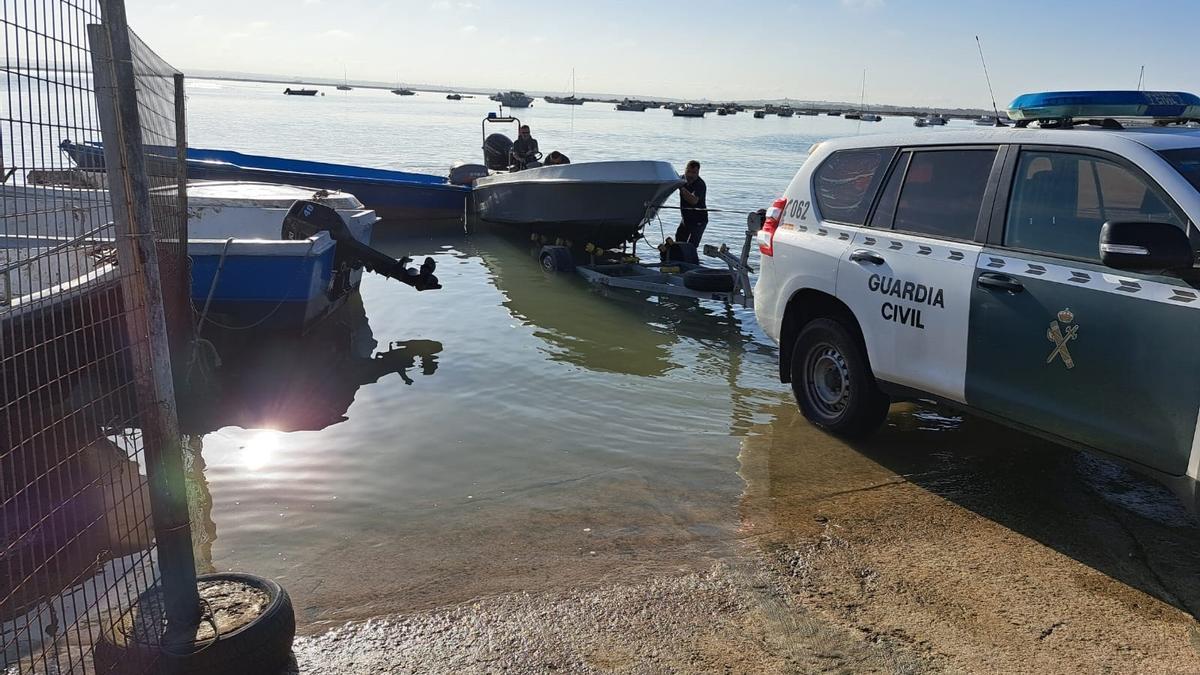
766, 236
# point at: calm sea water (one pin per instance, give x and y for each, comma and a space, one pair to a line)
513, 430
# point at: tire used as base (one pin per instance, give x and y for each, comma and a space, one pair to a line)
709, 279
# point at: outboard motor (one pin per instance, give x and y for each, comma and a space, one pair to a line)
496, 151
307, 218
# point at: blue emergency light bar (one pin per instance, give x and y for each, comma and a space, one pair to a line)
1068, 105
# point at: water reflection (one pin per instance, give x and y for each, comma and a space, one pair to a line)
610, 331
285, 383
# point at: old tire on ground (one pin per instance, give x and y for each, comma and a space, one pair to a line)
682, 251
832, 380
709, 279
264, 645
556, 259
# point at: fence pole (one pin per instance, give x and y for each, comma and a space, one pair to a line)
124, 157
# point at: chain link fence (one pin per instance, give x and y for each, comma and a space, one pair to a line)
86, 417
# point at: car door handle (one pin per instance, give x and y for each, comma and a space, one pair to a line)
862, 255
999, 282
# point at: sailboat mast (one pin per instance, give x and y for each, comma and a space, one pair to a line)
862, 97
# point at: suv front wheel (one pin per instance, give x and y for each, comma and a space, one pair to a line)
832, 381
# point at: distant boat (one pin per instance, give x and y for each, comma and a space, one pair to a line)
852, 116
631, 106
760, 114
300, 92
689, 110
870, 117
722, 112
990, 121
453, 97
806, 113
401, 91
785, 111
834, 113
512, 99
345, 85
567, 100
920, 122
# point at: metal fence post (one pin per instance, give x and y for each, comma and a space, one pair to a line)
146, 323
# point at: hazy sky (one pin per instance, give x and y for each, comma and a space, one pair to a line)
919, 52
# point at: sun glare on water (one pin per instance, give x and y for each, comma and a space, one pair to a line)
260, 449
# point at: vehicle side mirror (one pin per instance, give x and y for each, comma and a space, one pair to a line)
1145, 247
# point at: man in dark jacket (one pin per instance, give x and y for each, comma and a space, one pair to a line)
525, 149
694, 205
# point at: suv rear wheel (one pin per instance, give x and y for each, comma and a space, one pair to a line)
832, 380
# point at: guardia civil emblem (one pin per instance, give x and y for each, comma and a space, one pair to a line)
1060, 333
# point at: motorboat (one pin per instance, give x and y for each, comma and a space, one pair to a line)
991, 121
785, 111
689, 110
852, 116
300, 92
256, 259
870, 117
760, 114
393, 195
721, 112
512, 99
402, 91
935, 120
600, 203
920, 122
632, 106
453, 97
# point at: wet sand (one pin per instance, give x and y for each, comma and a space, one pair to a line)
942, 545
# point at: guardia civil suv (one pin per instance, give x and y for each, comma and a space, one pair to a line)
1044, 276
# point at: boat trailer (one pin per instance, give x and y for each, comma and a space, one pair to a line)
687, 279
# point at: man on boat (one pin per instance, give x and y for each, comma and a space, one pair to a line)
693, 205
555, 158
525, 149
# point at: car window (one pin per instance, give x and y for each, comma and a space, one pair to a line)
943, 192
1060, 201
886, 209
1186, 162
845, 184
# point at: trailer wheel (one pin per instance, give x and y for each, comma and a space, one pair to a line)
709, 279
556, 259
264, 645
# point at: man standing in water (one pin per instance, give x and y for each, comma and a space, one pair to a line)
693, 205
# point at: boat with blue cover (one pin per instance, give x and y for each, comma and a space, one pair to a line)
393, 195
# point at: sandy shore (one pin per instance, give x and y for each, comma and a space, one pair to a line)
941, 546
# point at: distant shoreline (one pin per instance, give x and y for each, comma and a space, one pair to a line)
890, 110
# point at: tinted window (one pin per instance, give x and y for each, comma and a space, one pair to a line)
891, 194
1060, 201
845, 184
1186, 162
943, 191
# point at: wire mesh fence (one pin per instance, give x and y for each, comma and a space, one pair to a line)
78, 450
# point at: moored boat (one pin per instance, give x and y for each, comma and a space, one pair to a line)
394, 195
564, 100
300, 92
632, 106
689, 110
512, 99
453, 97
760, 114
402, 91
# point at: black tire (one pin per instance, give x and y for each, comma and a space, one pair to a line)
261, 646
556, 259
709, 279
832, 380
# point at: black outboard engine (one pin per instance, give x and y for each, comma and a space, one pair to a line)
496, 150
307, 218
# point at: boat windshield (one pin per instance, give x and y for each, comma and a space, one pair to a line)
1186, 162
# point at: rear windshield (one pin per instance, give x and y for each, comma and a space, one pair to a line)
1186, 162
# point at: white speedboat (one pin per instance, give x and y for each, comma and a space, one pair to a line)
600, 203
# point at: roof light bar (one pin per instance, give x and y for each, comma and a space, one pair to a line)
1067, 105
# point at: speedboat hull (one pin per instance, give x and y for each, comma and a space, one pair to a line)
600, 203
393, 195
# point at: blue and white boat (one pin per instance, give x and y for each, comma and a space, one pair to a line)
393, 195
246, 270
